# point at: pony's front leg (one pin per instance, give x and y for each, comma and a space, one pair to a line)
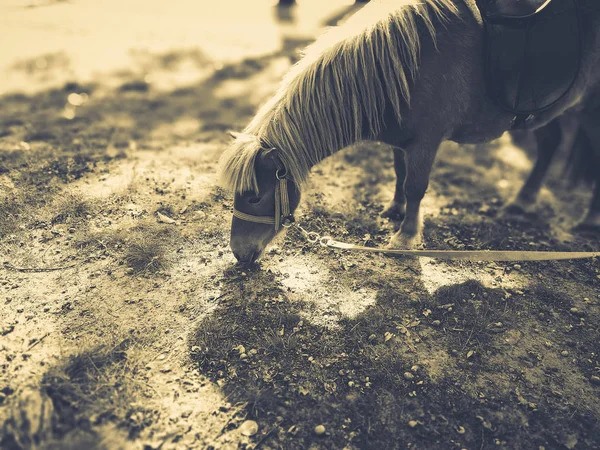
397, 207
419, 160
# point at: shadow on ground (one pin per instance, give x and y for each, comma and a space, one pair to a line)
465, 367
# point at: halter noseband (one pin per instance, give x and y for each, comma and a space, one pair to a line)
283, 217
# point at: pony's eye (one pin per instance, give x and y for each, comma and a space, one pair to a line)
254, 200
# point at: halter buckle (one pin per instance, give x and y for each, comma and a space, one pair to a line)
281, 176
287, 221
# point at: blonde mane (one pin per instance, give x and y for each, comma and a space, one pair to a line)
339, 88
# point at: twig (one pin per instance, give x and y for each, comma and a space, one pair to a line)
411, 269
44, 254
232, 417
9, 266
38, 341
268, 435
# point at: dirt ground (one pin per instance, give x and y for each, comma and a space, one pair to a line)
125, 323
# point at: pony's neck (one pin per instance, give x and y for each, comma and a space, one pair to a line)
350, 83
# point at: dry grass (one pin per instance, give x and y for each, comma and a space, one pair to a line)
145, 248
72, 207
94, 388
147, 252
9, 215
95, 385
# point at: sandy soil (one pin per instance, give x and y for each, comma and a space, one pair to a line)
126, 324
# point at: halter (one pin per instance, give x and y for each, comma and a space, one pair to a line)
283, 217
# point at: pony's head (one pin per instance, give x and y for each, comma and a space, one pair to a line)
266, 197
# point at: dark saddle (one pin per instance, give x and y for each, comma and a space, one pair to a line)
532, 52
514, 9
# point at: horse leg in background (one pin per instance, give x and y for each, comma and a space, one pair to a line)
591, 160
592, 219
419, 160
397, 207
548, 139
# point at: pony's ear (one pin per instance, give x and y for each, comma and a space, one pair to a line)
267, 158
268, 154
234, 134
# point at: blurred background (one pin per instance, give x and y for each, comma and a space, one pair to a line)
49, 42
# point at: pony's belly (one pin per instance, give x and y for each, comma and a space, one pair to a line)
479, 132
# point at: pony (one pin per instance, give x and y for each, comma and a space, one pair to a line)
408, 73
577, 130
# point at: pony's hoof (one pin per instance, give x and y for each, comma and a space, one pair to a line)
520, 208
394, 211
403, 242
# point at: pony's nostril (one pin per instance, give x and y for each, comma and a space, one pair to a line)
247, 258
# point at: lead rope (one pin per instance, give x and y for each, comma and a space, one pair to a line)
460, 255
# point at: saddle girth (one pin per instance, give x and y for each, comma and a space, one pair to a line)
532, 52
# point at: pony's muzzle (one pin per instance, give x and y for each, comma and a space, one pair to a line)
248, 240
246, 259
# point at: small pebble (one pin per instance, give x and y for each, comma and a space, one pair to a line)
408, 376
320, 430
564, 353
517, 266
413, 423
577, 312
594, 379
436, 323
249, 428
